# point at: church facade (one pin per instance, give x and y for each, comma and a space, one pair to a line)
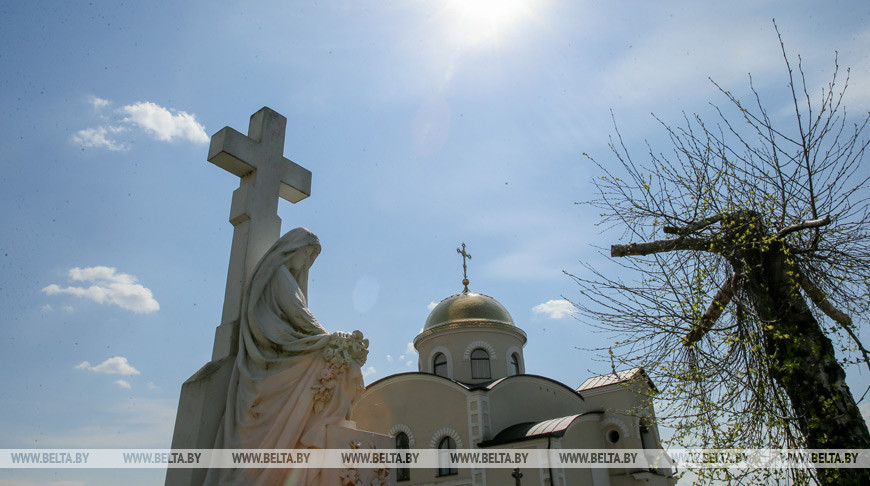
472, 392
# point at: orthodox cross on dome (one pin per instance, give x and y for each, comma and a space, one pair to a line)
464, 266
266, 176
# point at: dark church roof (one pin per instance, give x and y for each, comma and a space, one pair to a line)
617, 377
533, 430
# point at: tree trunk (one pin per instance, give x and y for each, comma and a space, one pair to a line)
802, 360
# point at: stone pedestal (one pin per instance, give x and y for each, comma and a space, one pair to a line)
200, 410
340, 436
346, 436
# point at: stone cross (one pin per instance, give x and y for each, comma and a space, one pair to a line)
266, 175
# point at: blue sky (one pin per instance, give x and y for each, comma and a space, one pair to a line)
425, 124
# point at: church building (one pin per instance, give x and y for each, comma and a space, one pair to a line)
472, 392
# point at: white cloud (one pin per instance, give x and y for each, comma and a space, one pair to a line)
108, 286
555, 309
116, 365
152, 386
389, 359
408, 353
67, 308
431, 305
97, 103
123, 384
98, 137
369, 371
46, 308
163, 124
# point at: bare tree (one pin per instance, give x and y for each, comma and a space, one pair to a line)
750, 240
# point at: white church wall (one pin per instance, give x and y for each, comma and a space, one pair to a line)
423, 402
620, 398
458, 344
528, 398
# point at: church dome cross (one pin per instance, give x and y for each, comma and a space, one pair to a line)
465, 255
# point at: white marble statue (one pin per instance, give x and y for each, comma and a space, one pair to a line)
292, 377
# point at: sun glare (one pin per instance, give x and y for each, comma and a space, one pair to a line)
480, 20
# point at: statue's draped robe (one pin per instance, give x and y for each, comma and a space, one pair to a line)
291, 377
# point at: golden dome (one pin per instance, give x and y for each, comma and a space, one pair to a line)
468, 307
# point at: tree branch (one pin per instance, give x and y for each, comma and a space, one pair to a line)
661, 246
811, 223
714, 310
815, 294
673, 230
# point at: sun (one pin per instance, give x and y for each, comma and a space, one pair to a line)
487, 20
489, 11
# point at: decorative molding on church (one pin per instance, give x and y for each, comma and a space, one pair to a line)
558, 473
403, 428
441, 433
479, 422
472, 324
479, 344
478, 477
615, 422
479, 429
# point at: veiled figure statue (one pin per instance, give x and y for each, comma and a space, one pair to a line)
292, 377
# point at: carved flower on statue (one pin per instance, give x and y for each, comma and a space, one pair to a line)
349, 477
357, 336
326, 383
381, 475
342, 350
345, 348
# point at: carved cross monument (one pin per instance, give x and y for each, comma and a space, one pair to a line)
258, 159
266, 175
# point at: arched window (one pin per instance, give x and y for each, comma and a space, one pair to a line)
480, 364
647, 440
402, 442
445, 467
515, 364
439, 365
